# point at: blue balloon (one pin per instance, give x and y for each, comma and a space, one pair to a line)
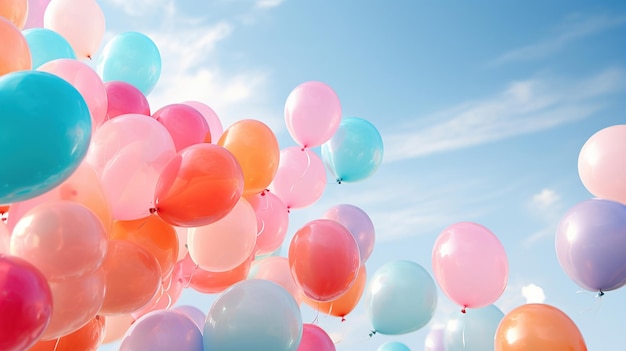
401, 297
162, 330
355, 151
253, 315
133, 58
47, 45
393, 346
473, 331
45, 133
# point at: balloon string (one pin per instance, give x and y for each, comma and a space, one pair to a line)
463, 331
308, 165
317, 314
56, 344
191, 276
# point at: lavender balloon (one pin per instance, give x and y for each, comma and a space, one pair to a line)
358, 224
163, 330
435, 339
590, 242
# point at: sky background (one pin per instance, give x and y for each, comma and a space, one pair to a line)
483, 107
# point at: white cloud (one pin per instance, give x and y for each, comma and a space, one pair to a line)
269, 3
546, 206
545, 199
533, 293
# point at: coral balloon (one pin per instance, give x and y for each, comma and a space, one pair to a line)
346, 302
215, 125
315, 338
272, 221
15, 11
116, 326
358, 223
184, 123
277, 270
88, 338
15, 54
538, 327
123, 98
199, 186
215, 282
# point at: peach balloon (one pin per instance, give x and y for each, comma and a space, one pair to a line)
15, 54
215, 282
277, 270
116, 326
88, 338
15, 11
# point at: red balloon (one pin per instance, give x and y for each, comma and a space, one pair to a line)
123, 98
324, 259
25, 304
87, 338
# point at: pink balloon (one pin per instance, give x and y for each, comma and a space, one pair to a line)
277, 270
358, 223
185, 124
602, 166
123, 98
86, 81
272, 221
470, 265
315, 338
300, 179
215, 125
312, 114
181, 232
5, 238
36, 9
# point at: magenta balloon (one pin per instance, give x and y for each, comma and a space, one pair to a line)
590, 242
215, 125
272, 221
470, 264
358, 223
300, 179
36, 9
123, 98
315, 338
435, 340
185, 124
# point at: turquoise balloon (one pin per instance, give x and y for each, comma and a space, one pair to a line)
47, 45
133, 58
354, 152
473, 331
401, 298
253, 315
45, 130
393, 346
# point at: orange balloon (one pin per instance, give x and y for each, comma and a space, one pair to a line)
347, 302
216, 282
4, 209
255, 146
15, 11
133, 277
15, 54
538, 327
199, 186
87, 338
154, 235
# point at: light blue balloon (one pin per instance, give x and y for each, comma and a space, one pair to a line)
355, 151
162, 330
47, 45
45, 130
393, 346
401, 297
253, 315
133, 58
473, 331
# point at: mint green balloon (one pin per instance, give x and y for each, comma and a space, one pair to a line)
393, 346
473, 331
47, 45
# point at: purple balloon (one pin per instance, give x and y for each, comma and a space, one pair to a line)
163, 330
435, 340
590, 242
194, 314
358, 224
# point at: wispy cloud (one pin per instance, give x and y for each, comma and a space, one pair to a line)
546, 206
137, 8
523, 107
269, 3
577, 27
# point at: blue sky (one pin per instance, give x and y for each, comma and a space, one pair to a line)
483, 107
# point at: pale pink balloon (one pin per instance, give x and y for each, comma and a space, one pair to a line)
602, 165
277, 270
358, 223
300, 179
470, 265
36, 9
227, 243
64, 240
312, 113
80, 22
116, 326
86, 81
123, 98
272, 221
185, 124
315, 338
5, 238
181, 232
215, 125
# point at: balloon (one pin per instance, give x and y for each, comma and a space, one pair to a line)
272, 221
215, 282
358, 223
133, 277
277, 270
133, 58
64, 240
15, 54
47, 45
198, 173
322, 270
215, 125
192, 313
184, 123
473, 331
81, 22
227, 243
43, 157
355, 151
434, 340
123, 98
88, 338
393, 346
181, 233
589, 239
401, 297
601, 165
315, 338
253, 315
86, 81
15, 11
470, 265
5, 238
300, 179
163, 331
346, 302
26, 304
256, 148
312, 113
36, 9
116, 326
538, 327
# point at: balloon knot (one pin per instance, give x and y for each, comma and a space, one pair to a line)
600, 293
464, 310
339, 180
372, 333
343, 319
288, 209
263, 192
89, 57
153, 210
